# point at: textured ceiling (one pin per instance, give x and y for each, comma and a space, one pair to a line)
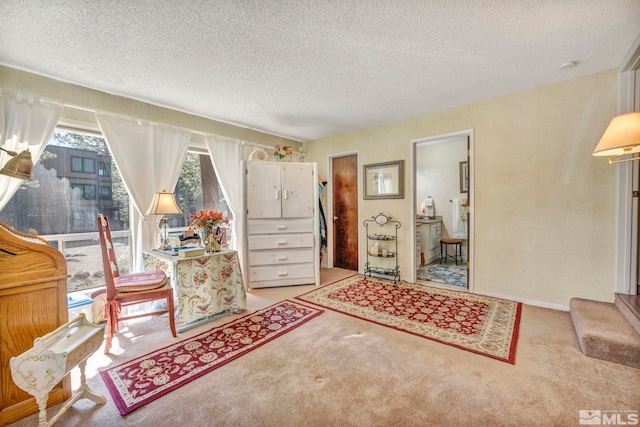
306, 69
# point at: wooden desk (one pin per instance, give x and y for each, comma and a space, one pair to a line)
205, 287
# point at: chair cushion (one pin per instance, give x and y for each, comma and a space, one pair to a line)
136, 282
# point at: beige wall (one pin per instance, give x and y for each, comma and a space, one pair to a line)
66, 93
544, 207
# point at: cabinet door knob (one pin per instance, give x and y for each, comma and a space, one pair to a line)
281, 227
282, 273
282, 242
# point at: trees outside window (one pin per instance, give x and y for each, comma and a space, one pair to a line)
198, 189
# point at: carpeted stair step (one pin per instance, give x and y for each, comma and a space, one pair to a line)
629, 306
604, 333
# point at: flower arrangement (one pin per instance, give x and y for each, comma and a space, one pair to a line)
207, 219
282, 150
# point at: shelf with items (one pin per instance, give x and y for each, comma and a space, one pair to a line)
383, 255
383, 245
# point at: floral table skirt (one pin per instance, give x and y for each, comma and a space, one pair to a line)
205, 285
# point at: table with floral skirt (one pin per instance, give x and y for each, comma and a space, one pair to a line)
206, 286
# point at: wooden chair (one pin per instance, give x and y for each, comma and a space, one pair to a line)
129, 289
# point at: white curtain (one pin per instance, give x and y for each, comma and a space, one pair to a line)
28, 123
226, 155
149, 157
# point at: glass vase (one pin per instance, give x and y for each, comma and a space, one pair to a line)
208, 240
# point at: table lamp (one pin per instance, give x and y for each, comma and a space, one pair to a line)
164, 204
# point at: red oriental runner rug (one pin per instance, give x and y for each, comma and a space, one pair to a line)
476, 323
137, 382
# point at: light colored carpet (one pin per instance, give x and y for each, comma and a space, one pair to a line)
341, 371
472, 322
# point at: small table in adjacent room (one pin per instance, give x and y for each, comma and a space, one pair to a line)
206, 286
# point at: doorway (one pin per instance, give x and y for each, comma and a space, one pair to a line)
344, 211
627, 257
442, 200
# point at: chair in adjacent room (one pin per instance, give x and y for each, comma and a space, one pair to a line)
129, 289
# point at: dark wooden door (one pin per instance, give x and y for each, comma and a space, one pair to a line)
345, 211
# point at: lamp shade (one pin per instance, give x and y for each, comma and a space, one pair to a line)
163, 204
20, 166
621, 137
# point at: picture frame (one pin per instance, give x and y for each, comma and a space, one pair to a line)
464, 177
384, 180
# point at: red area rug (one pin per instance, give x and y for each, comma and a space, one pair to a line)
137, 382
476, 323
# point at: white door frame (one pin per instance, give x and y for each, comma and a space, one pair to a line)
329, 212
626, 256
412, 194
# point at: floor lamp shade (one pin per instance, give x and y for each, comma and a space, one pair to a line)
621, 137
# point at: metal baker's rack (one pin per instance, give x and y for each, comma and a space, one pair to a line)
385, 250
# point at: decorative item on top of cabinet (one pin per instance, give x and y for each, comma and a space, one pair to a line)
282, 225
33, 302
382, 245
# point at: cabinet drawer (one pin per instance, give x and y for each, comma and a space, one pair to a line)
280, 257
434, 254
271, 226
281, 242
258, 274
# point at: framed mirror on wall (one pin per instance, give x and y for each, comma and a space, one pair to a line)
384, 180
464, 177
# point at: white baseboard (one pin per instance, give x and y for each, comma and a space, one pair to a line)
535, 303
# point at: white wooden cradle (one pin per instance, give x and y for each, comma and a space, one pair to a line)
39, 369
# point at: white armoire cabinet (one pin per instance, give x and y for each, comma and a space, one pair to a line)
282, 246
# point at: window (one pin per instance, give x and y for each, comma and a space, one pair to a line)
105, 193
197, 189
103, 169
87, 191
61, 202
82, 164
